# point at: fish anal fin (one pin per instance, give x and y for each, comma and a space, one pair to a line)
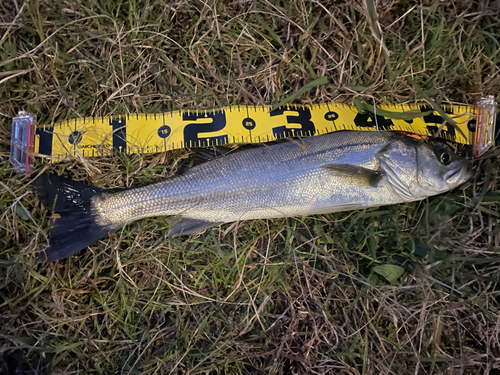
363, 176
183, 226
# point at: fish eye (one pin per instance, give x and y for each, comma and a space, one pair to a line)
444, 157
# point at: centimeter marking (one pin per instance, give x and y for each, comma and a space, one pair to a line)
157, 132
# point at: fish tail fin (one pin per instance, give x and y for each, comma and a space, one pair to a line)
74, 225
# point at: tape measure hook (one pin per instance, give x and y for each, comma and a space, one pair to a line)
485, 125
22, 142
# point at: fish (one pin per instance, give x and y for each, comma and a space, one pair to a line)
339, 171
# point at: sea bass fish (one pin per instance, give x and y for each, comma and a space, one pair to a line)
333, 172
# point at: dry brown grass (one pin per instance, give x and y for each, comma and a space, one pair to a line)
283, 296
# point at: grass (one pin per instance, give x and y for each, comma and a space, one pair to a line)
403, 289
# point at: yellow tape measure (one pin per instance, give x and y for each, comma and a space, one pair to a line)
157, 132
149, 133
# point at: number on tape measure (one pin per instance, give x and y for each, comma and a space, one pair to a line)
369, 120
119, 134
303, 118
164, 131
193, 132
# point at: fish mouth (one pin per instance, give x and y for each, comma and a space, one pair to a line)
458, 175
453, 174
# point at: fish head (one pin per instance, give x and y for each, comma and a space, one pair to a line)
416, 170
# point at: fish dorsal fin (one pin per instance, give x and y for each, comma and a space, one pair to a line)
363, 176
202, 155
183, 226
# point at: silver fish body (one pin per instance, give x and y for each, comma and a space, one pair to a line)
328, 173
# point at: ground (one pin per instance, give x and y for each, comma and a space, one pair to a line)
406, 289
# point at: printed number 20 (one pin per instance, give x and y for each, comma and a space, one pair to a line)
192, 131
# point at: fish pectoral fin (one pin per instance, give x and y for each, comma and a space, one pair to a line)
361, 175
183, 226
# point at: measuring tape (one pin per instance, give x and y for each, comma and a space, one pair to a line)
158, 132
